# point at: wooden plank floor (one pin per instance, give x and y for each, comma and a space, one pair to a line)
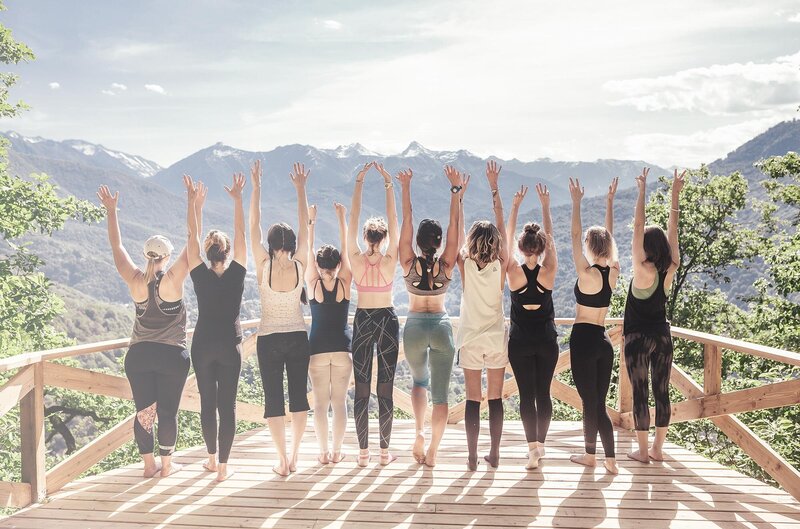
686, 491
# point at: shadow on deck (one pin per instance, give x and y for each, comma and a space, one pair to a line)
685, 491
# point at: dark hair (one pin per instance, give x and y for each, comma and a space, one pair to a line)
375, 230
281, 237
532, 240
328, 257
217, 246
657, 249
429, 239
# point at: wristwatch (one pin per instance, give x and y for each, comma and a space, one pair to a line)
455, 189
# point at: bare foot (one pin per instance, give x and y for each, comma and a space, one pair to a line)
611, 465
323, 459
419, 448
387, 457
472, 463
533, 460
363, 458
224, 473
282, 469
170, 469
293, 465
430, 459
655, 454
636, 456
587, 460
493, 460
210, 466
336, 457
149, 472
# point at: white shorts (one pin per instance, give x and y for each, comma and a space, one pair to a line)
479, 354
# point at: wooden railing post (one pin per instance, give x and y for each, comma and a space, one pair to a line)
712, 369
31, 423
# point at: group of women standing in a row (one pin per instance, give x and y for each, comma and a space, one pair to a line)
290, 273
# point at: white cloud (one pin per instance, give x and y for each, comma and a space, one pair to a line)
108, 92
54, 85
119, 86
332, 24
157, 88
795, 18
721, 89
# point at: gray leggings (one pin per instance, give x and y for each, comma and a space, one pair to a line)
428, 344
649, 353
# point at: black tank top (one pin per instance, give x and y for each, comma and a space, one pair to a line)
527, 323
600, 300
329, 330
648, 316
219, 301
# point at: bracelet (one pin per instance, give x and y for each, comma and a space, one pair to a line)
388, 185
675, 210
495, 191
359, 181
311, 222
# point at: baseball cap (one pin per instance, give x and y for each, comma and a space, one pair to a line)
157, 247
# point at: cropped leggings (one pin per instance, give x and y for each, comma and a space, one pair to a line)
374, 330
533, 363
649, 353
276, 352
428, 344
217, 367
157, 373
592, 358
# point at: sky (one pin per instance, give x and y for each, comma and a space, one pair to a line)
673, 83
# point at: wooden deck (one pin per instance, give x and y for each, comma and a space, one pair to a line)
686, 491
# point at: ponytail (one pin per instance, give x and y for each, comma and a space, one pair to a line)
150, 271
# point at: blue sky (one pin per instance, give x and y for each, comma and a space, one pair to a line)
678, 82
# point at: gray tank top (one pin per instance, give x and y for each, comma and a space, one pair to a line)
158, 320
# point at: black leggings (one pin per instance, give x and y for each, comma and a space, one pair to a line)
592, 358
278, 351
374, 328
217, 368
157, 373
533, 363
653, 353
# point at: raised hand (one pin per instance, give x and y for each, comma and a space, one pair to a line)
405, 177
341, 210
299, 175
202, 193
235, 190
612, 188
641, 180
108, 200
384, 173
519, 196
363, 171
312, 212
576, 190
544, 195
678, 181
464, 185
453, 175
191, 187
255, 174
493, 173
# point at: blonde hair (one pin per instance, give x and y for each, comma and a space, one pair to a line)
150, 270
375, 230
598, 243
217, 246
483, 242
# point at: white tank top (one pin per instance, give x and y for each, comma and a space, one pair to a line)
281, 311
482, 323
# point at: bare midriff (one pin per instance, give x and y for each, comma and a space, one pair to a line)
374, 300
593, 315
430, 304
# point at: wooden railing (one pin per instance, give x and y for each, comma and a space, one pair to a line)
38, 369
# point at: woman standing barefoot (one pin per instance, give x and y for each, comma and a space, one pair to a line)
428, 335
480, 337
648, 343
157, 361
532, 341
375, 326
282, 338
331, 364
590, 350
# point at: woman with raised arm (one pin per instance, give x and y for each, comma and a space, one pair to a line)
157, 361
428, 335
648, 343
375, 325
216, 344
282, 338
590, 351
480, 336
330, 367
532, 341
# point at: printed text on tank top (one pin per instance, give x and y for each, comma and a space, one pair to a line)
421, 280
532, 298
600, 299
373, 271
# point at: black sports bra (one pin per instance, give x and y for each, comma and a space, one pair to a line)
600, 300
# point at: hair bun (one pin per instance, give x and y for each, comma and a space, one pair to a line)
532, 228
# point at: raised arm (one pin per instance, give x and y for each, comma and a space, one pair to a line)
239, 239
576, 192
260, 253
406, 249
493, 176
550, 258
312, 273
637, 242
674, 213
193, 240
179, 269
451, 246
122, 260
345, 272
511, 228
355, 210
299, 177
612, 190
391, 211
462, 232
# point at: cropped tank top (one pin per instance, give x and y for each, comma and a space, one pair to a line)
421, 284
530, 323
648, 315
329, 330
373, 271
281, 311
600, 300
158, 320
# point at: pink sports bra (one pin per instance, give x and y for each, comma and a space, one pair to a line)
378, 275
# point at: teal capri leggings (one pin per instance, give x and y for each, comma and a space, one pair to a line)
428, 344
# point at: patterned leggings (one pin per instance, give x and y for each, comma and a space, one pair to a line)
653, 353
371, 328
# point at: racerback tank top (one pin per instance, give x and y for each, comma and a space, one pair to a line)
159, 321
